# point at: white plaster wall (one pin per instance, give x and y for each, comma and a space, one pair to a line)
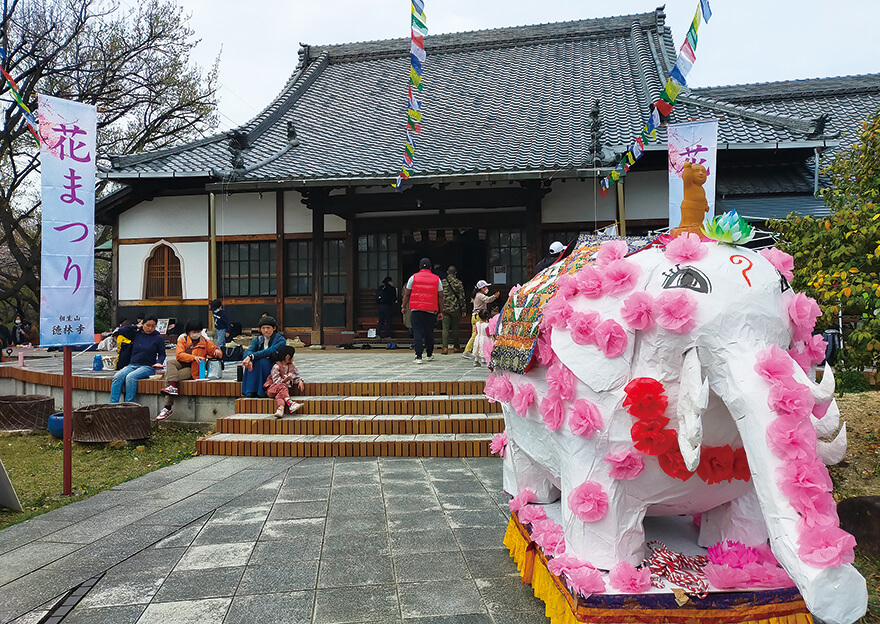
245, 213
646, 194
298, 218
575, 201
166, 216
193, 264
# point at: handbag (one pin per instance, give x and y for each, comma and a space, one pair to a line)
215, 369
233, 354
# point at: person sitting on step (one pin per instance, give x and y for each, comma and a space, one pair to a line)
192, 348
281, 380
256, 362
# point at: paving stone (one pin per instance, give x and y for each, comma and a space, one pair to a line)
215, 556
508, 594
349, 605
470, 618
301, 481
235, 513
34, 617
29, 531
205, 611
459, 486
410, 542
283, 577
490, 563
440, 566
467, 501
293, 607
462, 518
407, 488
226, 533
293, 529
123, 614
355, 524
195, 584
186, 511
150, 561
409, 504
183, 537
286, 551
351, 572
240, 483
478, 538
298, 494
366, 545
30, 557
449, 597
519, 617
366, 490
116, 590
296, 511
418, 521
355, 506
96, 526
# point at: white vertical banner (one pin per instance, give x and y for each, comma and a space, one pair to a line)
67, 168
696, 142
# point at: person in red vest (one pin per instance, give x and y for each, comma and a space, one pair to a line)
423, 296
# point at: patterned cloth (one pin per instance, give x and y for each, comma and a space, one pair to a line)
454, 300
517, 331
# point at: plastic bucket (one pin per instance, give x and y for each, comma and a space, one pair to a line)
56, 425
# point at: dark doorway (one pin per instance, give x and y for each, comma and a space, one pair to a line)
465, 251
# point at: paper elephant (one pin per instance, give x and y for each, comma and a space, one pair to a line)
671, 381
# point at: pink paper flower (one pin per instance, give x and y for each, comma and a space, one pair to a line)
815, 348
498, 445
725, 577
733, 554
552, 411
791, 399
638, 311
803, 312
588, 501
830, 547
488, 345
520, 500
503, 389
489, 388
783, 262
585, 418
560, 381
627, 578
530, 514
523, 398
792, 439
767, 575
543, 350
674, 310
822, 512
619, 277
687, 247
800, 357
567, 563
556, 313
589, 281
583, 325
566, 286
765, 554
586, 582
801, 482
611, 339
611, 251
774, 364
625, 465
820, 409
549, 536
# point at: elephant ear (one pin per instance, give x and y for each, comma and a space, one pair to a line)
590, 365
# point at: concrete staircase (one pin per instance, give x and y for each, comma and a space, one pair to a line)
362, 419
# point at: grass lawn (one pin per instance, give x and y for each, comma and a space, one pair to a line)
34, 466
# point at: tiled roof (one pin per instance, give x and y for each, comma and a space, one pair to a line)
508, 100
763, 208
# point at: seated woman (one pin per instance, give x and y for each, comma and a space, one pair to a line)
256, 362
192, 348
147, 352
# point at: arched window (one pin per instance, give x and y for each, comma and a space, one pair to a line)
163, 274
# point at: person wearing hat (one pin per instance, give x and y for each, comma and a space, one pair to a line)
556, 248
482, 299
423, 297
256, 362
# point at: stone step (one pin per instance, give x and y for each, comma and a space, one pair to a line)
411, 445
319, 424
411, 405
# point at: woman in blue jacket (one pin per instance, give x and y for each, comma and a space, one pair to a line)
147, 351
256, 362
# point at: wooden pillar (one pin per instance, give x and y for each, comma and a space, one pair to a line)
212, 254
114, 276
317, 207
621, 209
280, 252
351, 270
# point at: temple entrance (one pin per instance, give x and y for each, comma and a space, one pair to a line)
466, 251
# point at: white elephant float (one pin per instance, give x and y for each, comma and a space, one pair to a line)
672, 381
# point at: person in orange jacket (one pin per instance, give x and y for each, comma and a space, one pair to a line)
192, 348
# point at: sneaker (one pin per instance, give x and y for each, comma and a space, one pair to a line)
165, 413
279, 413
467, 356
477, 364
169, 389
417, 360
430, 358
293, 406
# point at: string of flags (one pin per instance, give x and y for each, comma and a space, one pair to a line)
29, 117
414, 113
662, 108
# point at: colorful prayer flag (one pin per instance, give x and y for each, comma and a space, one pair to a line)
638, 149
707, 10
676, 76
688, 52
417, 57
664, 107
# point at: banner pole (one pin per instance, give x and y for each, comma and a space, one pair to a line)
68, 420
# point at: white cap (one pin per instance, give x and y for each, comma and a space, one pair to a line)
556, 247
482, 284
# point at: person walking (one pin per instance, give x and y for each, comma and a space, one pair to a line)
454, 307
192, 348
482, 299
423, 297
556, 248
386, 297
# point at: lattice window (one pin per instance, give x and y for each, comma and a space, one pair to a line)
163, 274
507, 254
248, 269
335, 267
377, 259
299, 267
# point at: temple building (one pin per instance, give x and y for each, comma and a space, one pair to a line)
293, 214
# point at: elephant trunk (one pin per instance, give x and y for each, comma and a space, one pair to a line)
835, 595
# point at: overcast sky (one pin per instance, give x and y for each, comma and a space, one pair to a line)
745, 41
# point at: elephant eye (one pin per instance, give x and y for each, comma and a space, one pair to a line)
783, 283
687, 277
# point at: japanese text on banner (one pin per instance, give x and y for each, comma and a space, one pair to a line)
695, 142
67, 168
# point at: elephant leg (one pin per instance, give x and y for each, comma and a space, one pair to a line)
740, 520
520, 472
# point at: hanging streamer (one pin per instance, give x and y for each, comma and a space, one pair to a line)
663, 106
29, 117
417, 55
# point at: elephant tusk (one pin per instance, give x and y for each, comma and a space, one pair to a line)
693, 398
826, 425
834, 451
822, 392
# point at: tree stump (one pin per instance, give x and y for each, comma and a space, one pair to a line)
107, 422
860, 516
25, 412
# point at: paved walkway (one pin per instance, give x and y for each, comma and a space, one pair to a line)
328, 541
